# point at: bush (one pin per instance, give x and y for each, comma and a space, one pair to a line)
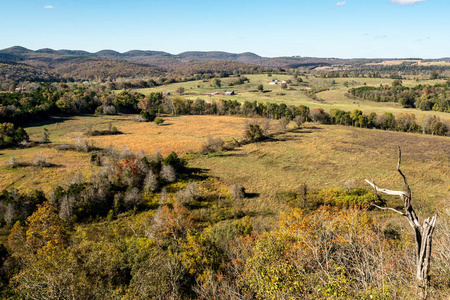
159, 121
147, 116
12, 162
213, 145
41, 161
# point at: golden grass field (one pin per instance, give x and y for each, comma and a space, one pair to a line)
31, 177
179, 134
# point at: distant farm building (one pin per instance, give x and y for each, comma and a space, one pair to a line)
273, 82
229, 93
218, 93
166, 93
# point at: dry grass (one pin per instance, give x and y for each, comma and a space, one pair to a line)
31, 177
179, 134
327, 156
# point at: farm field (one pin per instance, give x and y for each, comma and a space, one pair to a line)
334, 97
331, 156
180, 134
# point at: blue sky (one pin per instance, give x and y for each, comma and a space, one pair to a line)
321, 28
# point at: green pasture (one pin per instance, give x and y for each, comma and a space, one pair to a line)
332, 97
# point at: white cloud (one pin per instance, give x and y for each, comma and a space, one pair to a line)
341, 3
49, 7
406, 2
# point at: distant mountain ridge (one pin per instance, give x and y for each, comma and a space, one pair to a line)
107, 53
161, 59
110, 63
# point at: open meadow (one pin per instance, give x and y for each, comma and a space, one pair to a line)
180, 134
334, 156
332, 96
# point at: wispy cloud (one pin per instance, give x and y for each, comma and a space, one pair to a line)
341, 3
49, 7
406, 2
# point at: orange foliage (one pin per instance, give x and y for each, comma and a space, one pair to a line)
172, 223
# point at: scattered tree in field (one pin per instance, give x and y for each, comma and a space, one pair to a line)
40, 160
254, 132
180, 90
434, 75
189, 194
299, 120
423, 233
147, 116
284, 122
216, 82
213, 145
45, 136
260, 88
396, 82
283, 86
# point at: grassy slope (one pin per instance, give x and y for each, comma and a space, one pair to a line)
327, 156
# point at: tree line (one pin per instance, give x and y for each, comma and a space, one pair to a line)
61, 98
424, 97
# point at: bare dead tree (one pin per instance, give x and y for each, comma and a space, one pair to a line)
423, 233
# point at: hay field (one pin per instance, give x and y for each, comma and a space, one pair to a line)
327, 156
179, 134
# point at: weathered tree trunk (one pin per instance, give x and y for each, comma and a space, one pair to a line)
423, 233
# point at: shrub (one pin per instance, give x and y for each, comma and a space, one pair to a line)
159, 121
12, 162
213, 145
147, 116
189, 194
237, 192
41, 161
81, 145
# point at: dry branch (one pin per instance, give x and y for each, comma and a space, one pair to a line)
423, 233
